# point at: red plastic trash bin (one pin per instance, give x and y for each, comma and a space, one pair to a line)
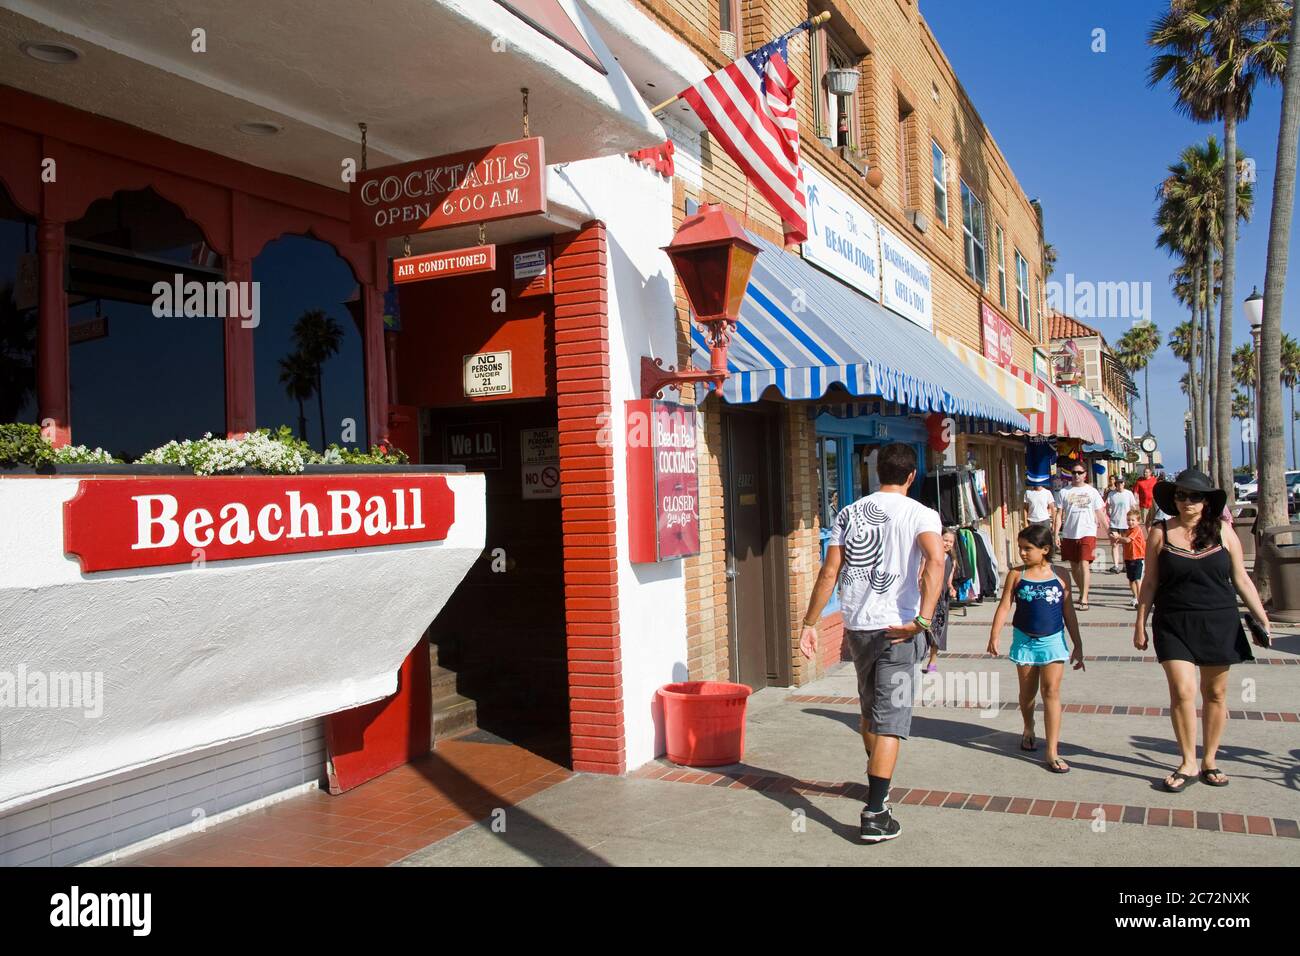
704, 722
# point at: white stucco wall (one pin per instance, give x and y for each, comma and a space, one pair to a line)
195, 657
636, 206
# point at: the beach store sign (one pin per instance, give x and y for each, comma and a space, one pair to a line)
843, 237
116, 523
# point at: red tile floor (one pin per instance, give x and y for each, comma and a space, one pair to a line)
376, 823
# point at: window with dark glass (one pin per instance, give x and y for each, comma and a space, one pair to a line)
829, 470
972, 230
144, 366
19, 288
308, 347
939, 171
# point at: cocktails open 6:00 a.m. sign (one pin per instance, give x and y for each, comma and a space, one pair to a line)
478, 185
113, 523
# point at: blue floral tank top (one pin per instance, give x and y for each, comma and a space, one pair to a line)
1039, 607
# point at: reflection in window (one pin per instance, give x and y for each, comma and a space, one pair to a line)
139, 379
19, 289
829, 471
308, 347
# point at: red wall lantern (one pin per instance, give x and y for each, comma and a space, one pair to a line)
712, 258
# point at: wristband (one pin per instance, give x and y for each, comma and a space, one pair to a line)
924, 623
806, 624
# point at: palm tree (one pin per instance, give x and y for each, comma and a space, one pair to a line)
1134, 351
1241, 411
298, 376
1243, 374
1272, 482
1291, 378
1214, 52
1049, 260
318, 337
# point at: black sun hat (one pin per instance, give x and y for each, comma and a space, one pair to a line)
1189, 480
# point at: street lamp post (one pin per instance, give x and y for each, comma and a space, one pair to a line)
1254, 308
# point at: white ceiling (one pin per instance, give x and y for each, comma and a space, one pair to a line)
423, 74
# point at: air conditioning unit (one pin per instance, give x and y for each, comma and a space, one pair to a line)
918, 219
727, 43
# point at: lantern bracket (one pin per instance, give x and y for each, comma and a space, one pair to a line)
655, 378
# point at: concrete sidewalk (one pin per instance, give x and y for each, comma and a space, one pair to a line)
964, 793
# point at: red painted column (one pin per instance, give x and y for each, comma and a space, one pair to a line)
241, 382
376, 366
52, 388
591, 610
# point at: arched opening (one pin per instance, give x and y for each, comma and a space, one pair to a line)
19, 290
308, 347
146, 364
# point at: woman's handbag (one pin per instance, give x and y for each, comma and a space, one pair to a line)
1257, 633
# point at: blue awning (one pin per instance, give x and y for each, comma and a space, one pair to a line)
802, 332
1109, 448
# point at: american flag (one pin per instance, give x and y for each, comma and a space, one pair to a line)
749, 108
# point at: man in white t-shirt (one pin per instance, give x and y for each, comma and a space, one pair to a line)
1040, 505
1080, 513
1119, 502
886, 552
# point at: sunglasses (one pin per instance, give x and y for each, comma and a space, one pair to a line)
1078, 474
1195, 497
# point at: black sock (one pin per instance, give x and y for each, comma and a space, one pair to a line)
877, 790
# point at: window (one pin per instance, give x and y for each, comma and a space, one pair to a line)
1002, 271
836, 117
724, 16
1022, 290
19, 289
939, 164
972, 230
828, 459
907, 191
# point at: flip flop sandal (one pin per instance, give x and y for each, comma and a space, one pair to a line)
1176, 776
1081, 606
1208, 776
1030, 739
1057, 766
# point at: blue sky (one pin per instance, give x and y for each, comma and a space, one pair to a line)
1086, 136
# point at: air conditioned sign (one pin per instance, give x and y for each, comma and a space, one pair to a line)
440, 265
477, 185
663, 481
116, 523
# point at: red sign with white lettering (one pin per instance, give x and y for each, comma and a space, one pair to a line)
477, 185
663, 481
114, 523
438, 265
997, 336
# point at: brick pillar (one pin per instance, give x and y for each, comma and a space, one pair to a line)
52, 391
586, 422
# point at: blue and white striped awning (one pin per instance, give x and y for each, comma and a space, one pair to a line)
1109, 448
802, 332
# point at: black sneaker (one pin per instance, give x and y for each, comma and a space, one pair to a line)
879, 827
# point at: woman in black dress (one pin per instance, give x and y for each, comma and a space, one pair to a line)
1194, 573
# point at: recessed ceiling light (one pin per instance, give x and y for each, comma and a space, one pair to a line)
259, 128
50, 52
649, 84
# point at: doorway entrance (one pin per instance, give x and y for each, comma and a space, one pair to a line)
756, 559
503, 631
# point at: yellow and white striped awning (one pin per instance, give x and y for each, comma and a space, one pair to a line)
1022, 395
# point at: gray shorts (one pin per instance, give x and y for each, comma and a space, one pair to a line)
887, 679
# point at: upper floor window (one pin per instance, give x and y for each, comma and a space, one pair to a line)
836, 117
1022, 290
939, 170
972, 229
908, 196
1002, 271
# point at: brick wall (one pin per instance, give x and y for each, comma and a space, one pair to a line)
587, 501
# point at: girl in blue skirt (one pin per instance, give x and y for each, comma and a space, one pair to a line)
1044, 612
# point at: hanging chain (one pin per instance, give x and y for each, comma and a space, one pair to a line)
524, 90
363, 144
482, 234
406, 246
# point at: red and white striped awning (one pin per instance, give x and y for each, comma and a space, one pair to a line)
1066, 416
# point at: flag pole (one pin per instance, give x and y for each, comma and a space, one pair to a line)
812, 23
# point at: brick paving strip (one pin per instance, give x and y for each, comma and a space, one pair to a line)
1053, 809
1114, 710
1121, 658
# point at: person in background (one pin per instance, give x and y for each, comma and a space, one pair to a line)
1040, 505
876, 551
1193, 583
1043, 614
938, 635
1080, 513
1143, 488
1119, 502
1135, 552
